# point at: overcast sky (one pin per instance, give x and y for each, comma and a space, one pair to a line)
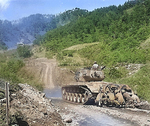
15, 9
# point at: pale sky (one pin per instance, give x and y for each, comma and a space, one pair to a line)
16, 9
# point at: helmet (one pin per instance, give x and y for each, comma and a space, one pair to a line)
95, 62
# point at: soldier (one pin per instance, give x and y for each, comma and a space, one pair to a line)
95, 66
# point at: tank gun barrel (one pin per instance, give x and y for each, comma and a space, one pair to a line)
103, 67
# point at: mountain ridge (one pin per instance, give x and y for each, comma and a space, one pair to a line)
27, 29
23, 30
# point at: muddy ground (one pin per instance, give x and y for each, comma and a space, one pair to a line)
92, 115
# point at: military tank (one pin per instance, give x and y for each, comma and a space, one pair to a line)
89, 86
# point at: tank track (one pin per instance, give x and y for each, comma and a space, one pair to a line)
76, 94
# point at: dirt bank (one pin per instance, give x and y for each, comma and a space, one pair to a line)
30, 107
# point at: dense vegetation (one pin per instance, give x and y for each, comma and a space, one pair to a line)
69, 16
121, 31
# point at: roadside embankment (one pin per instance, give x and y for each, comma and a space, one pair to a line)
30, 107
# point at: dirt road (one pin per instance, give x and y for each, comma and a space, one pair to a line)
48, 72
43, 69
87, 115
91, 115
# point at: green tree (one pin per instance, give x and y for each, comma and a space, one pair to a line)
24, 51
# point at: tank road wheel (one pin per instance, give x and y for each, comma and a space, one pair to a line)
75, 98
71, 97
68, 97
83, 99
79, 98
63, 93
86, 96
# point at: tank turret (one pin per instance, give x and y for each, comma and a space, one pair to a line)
89, 74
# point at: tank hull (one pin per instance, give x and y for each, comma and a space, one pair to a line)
103, 93
81, 92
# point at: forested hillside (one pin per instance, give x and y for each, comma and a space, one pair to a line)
123, 33
69, 16
120, 30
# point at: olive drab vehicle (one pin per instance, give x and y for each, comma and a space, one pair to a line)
89, 86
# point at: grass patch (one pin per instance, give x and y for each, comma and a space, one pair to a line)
140, 82
146, 44
81, 46
38, 51
29, 78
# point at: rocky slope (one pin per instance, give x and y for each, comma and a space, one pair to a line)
30, 107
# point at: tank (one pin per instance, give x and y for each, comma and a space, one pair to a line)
89, 86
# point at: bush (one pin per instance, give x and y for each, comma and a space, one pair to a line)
114, 73
9, 70
60, 56
24, 51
